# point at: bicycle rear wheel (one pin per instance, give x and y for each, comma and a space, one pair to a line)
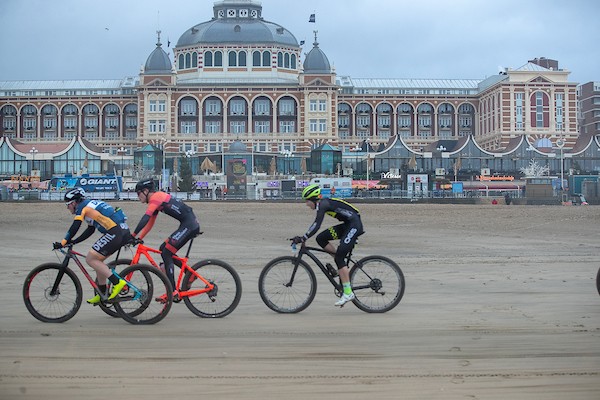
221, 300
378, 284
283, 293
47, 307
147, 298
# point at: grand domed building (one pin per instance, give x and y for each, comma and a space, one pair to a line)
241, 78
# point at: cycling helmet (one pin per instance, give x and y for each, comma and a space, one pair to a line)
77, 194
145, 184
311, 192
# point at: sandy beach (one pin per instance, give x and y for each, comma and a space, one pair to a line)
500, 303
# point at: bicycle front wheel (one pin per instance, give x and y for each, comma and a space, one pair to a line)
219, 301
378, 284
52, 307
286, 289
147, 297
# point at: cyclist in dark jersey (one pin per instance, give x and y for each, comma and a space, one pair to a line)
347, 232
111, 222
160, 201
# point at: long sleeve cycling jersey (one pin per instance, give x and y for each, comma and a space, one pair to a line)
163, 202
335, 208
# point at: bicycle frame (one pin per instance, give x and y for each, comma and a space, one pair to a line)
72, 254
145, 251
308, 250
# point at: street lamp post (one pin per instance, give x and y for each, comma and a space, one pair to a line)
33, 151
367, 141
560, 143
122, 151
287, 158
163, 142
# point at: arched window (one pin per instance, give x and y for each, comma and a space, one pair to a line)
242, 59
181, 62
232, 59
287, 60
280, 60
256, 59
188, 60
194, 60
218, 59
293, 61
266, 59
208, 59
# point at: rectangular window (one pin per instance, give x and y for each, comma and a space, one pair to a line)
312, 125
312, 105
188, 126
262, 107
111, 122
9, 123
152, 126
286, 107
188, 107
49, 123
91, 122
262, 126
539, 110
363, 121
559, 111
445, 121
383, 121
322, 125
113, 135
131, 122
212, 127
322, 105
404, 121
425, 121
162, 126
519, 111
162, 105
152, 106
213, 107
237, 126
287, 126
237, 107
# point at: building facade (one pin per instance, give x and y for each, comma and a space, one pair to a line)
241, 78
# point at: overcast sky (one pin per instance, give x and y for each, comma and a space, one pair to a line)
457, 39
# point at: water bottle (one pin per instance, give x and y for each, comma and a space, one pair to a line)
294, 248
331, 270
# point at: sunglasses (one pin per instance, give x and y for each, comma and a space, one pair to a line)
69, 203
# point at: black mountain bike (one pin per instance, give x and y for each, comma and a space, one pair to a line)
288, 284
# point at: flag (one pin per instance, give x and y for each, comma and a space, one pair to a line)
168, 43
302, 43
311, 18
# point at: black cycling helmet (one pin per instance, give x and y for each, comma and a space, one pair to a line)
76, 194
311, 192
145, 184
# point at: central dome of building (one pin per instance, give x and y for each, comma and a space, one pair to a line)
237, 21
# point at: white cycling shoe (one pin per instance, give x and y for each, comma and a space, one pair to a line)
344, 299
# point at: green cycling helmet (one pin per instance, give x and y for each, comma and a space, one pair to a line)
311, 192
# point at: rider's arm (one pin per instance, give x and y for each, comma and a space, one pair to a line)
317, 222
147, 221
86, 234
72, 230
145, 225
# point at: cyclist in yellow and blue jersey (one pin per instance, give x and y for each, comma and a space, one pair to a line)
347, 232
111, 222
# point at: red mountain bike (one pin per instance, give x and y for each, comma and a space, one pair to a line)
210, 288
